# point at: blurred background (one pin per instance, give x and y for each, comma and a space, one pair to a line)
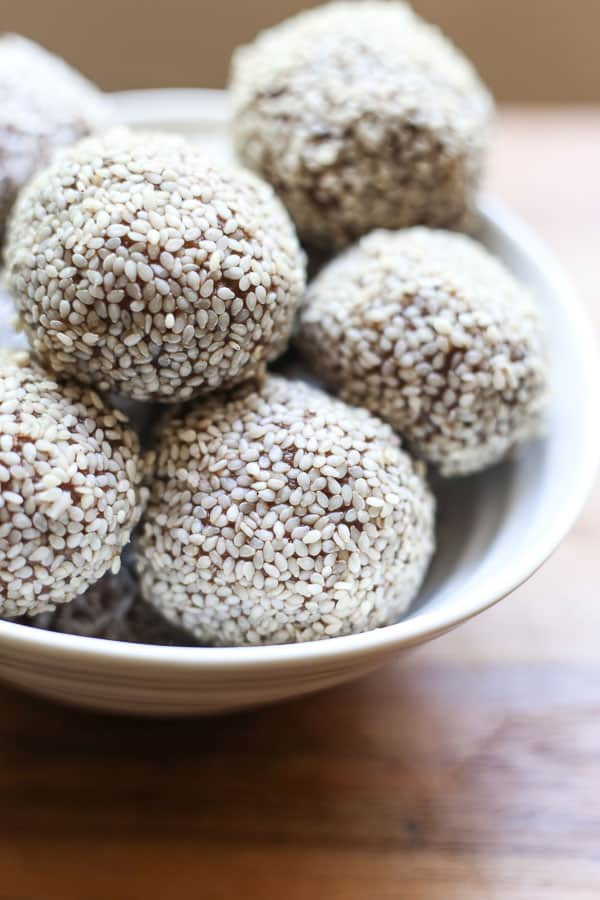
531, 51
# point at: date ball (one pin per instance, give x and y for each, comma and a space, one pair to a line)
361, 115
427, 330
44, 105
143, 269
70, 495
280, 514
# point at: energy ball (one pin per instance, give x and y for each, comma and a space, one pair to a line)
141, 268
70, 495
430, 332
361, 115
44, 105
280, 514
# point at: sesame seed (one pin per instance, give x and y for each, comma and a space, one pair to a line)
131, 270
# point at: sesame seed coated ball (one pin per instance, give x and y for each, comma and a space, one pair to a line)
140, 267
280, 514
430, 332
70, 495
361, 115
44, 105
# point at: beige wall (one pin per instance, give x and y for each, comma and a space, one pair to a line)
527, 50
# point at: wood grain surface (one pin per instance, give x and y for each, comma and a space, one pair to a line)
468, 770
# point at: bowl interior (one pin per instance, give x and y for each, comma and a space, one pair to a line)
494, 528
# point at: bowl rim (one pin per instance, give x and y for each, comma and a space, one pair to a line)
428, 623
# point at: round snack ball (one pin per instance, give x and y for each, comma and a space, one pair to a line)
44, 105
361, 115
280, 514
140, 267
70, 495
430, 332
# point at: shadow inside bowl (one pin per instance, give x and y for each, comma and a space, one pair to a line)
481, 520
470, 516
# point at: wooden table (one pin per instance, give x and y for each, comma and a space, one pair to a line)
468, 770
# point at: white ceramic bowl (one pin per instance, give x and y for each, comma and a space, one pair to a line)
495, 529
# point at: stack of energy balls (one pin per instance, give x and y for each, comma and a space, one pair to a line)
265, 509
